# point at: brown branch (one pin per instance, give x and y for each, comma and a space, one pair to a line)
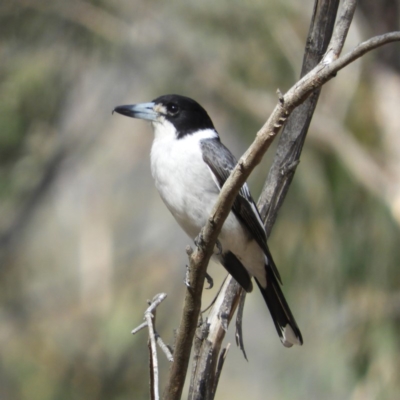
200, 258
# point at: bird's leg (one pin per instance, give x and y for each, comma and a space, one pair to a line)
215, 298
199, 241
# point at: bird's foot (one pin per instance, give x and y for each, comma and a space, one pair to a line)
209, 280
199, 242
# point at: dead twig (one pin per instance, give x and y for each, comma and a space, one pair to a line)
154, 337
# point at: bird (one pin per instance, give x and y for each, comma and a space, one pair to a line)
190, 165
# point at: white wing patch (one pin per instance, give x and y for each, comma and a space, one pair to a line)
246, 191
214, 178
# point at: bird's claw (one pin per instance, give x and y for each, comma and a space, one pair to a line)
210, 281
199, 240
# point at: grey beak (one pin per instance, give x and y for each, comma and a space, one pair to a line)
141, 111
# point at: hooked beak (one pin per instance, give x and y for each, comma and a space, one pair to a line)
141, 111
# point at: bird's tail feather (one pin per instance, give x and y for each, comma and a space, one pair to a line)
284, 321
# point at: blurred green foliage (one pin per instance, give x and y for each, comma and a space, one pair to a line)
84, 239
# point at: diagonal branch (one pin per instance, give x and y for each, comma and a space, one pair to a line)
294, 134
321, 74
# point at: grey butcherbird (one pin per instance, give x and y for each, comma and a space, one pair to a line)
190, 165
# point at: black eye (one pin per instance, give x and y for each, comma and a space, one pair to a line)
172, 109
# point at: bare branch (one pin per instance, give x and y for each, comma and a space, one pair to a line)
200, 258
361, 49
157, 299
195, 277
164, 347
341, 29
295, 131
153, 357
153, 371
154, 338
220, 316
139, 328
201, 334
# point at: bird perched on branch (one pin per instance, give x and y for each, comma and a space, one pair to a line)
190, 165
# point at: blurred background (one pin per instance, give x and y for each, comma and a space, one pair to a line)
85, 239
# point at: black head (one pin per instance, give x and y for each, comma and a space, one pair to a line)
185, 114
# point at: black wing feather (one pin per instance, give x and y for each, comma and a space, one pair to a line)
221, 162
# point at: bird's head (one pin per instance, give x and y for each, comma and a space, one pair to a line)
170, 114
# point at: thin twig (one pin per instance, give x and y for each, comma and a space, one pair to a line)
154, 337
139, 328
153, 372
157, 299
164, 347
154, 390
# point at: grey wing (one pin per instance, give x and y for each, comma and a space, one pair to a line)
221, 163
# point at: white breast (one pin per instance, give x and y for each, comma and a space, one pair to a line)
182, 178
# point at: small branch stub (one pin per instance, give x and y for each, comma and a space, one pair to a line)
280, 96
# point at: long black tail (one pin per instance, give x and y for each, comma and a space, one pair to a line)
284, 321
